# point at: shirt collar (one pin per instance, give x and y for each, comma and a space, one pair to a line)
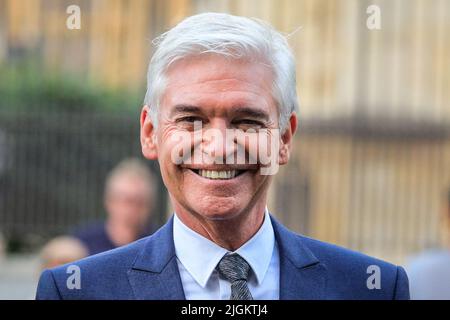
200, 256
259, 249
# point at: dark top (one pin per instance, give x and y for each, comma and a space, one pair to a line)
96, 239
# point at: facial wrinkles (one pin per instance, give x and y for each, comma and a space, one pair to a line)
216, 97
217, 102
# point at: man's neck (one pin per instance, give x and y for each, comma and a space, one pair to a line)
231, 233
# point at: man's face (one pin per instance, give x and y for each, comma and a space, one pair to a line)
127, 200
219, 94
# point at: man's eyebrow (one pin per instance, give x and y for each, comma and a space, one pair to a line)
238, 110
185, 108
252, 112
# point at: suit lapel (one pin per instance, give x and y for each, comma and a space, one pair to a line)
154, 274
302, 276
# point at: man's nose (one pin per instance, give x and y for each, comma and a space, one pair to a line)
218, 142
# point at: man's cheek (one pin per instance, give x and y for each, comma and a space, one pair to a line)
268, 151
179, 146
247, 147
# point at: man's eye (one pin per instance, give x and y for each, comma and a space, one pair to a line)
190, 119
249, 123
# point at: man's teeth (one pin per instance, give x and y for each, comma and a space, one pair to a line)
212, 174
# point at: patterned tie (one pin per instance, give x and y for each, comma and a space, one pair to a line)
235, 269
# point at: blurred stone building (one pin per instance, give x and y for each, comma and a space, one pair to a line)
372, 158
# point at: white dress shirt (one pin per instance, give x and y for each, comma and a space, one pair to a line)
197, 258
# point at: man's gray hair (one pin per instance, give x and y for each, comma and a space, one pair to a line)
229, 36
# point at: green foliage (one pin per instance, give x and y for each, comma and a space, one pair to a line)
25, 86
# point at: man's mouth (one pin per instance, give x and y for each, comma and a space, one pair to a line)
218, 174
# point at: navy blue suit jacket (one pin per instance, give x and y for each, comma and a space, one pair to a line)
147, 269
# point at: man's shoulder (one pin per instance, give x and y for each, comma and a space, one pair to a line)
369, 277
339, 256
328, 253
349, 274
99, 275
107, 275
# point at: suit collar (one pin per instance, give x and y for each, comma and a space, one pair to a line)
200, 256
159, 248
302, 276
154, 274
292, 247
157, 251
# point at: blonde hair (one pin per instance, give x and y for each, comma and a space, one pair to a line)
62, 249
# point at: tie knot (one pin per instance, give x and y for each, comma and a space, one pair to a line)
233, 267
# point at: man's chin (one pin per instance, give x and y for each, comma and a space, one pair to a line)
217, 212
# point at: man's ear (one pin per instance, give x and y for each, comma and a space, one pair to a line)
148, 135
286, 140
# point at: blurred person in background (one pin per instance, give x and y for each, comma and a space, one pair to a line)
62, 250
429, 272
128, 200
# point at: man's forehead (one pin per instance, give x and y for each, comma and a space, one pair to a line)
230, 102
218, 81
217, 70
214, 85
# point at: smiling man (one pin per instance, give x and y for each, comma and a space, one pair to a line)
219, 117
